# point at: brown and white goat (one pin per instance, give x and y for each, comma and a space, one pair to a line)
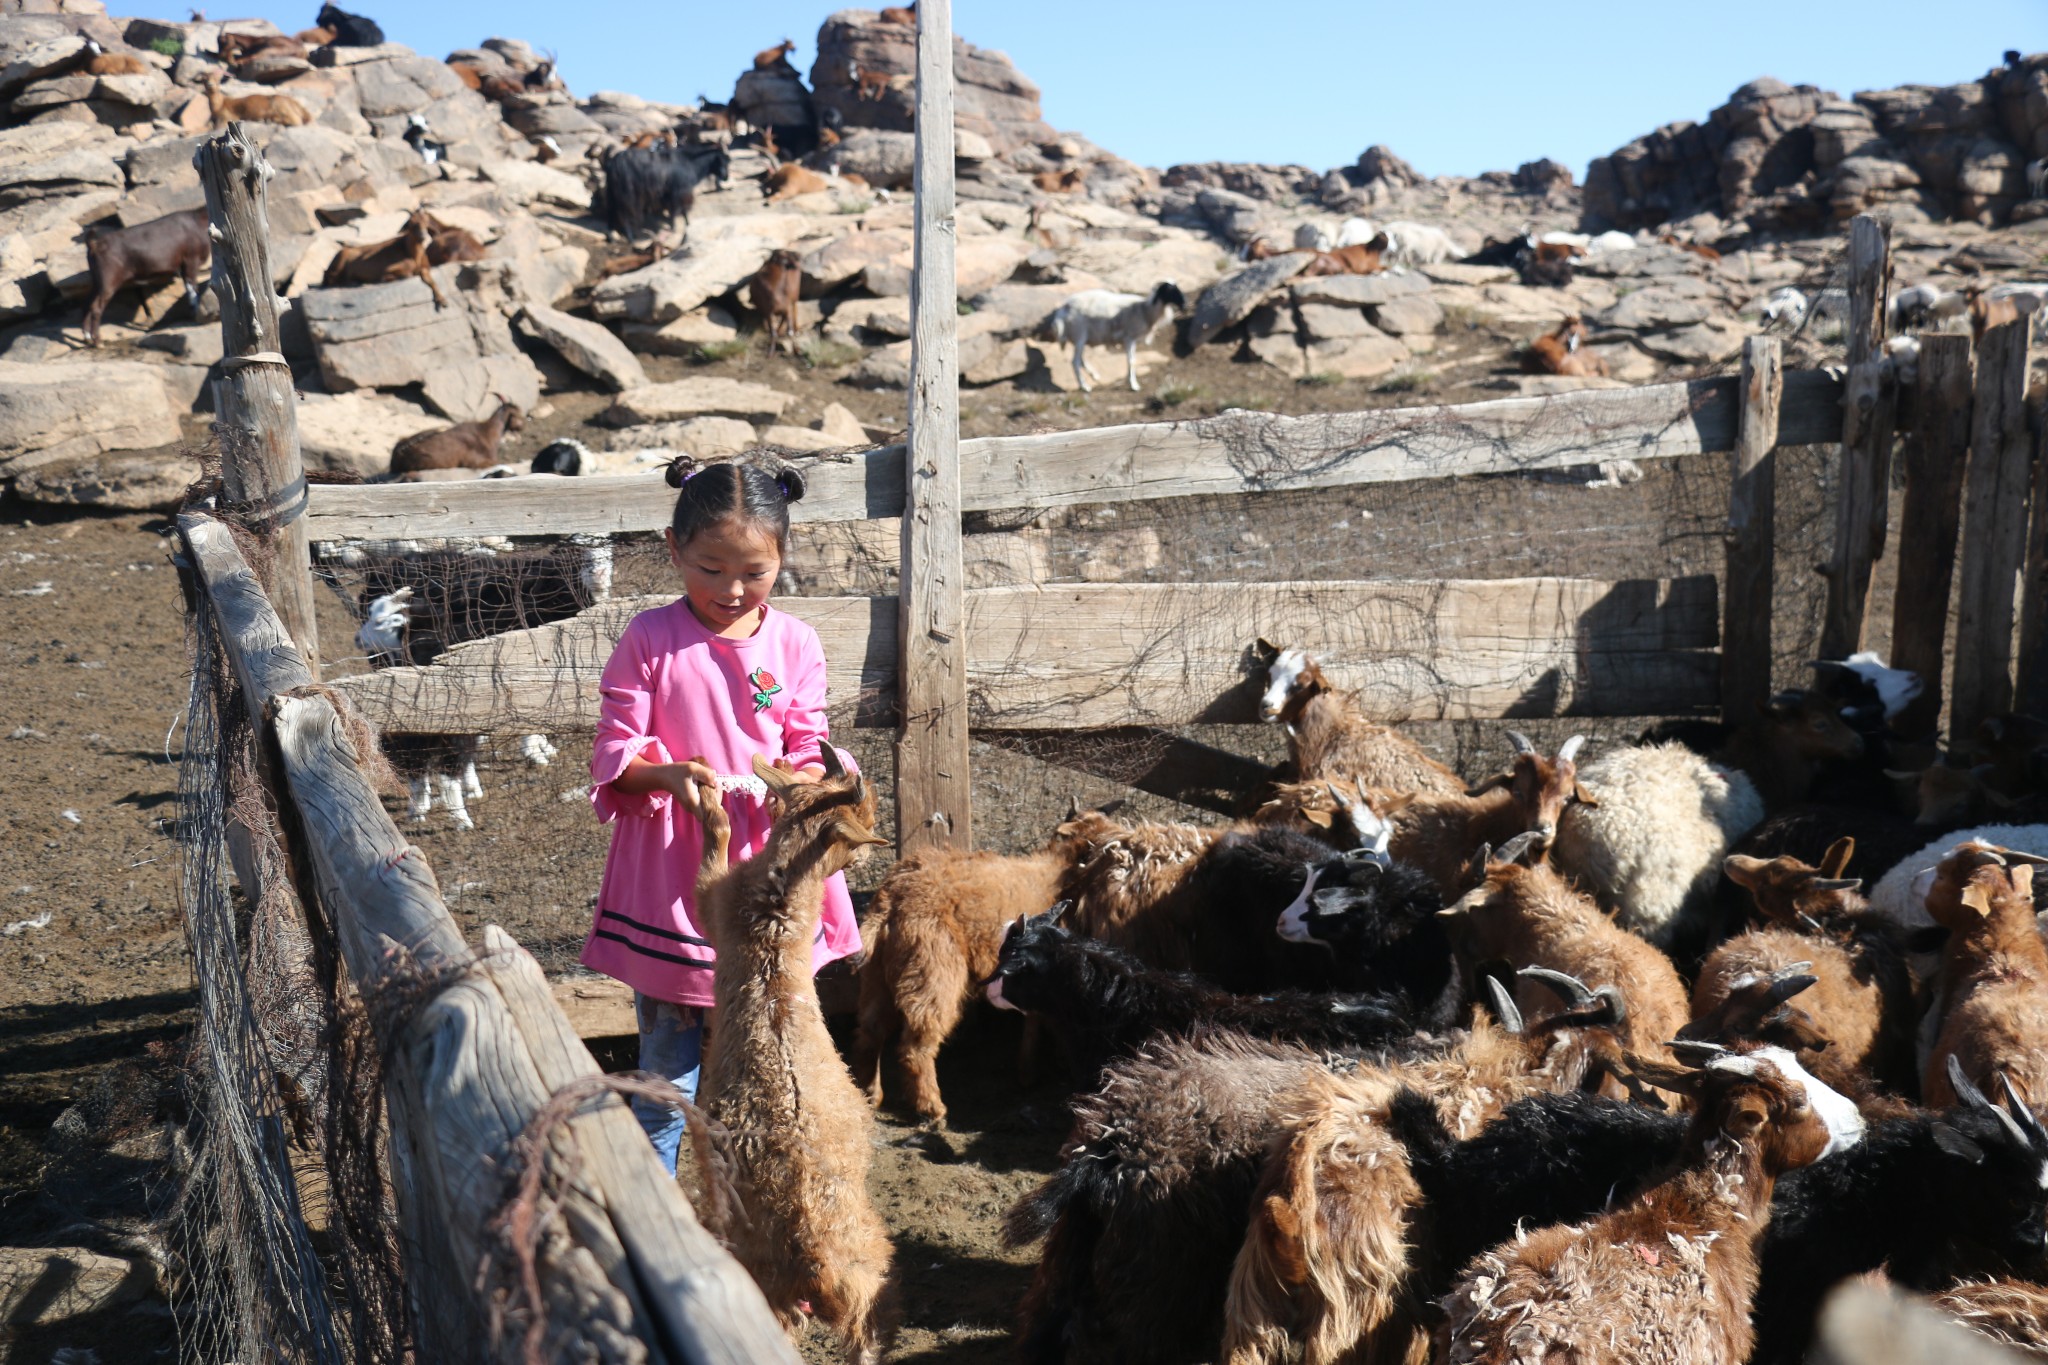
933, 935
100, 62
405, 256
800, 1133
1526, 915
1368, 258
175, 244
466, 445
773, 293
1992, 991
868, 83
770, 58
1669, 1277
261, 107
1563, 352
1327, 1256
1328, 734
1861, 1000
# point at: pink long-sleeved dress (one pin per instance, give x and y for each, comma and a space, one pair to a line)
673, 690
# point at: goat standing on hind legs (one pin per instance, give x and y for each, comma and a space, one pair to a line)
800, 1130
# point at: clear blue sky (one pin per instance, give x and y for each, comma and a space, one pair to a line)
1455, 88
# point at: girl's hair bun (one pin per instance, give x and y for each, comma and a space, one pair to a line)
679, 469
791, 481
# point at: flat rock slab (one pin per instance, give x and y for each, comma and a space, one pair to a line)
1328, 321
387, 336
529, 182
56, 411
123, 481
353, 433
1416, 315
587, 345
667, 289
1356, 357
707, 438
684, 335
1230, 300
1706, 343
705, 396
1653, 310
42, 1286
1359, 290
801, 439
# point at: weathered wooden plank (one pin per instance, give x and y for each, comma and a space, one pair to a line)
1752, 519
1935, 452
259, 648
2031, 696
1230, 453
1867, 417
255, 418
934, 794
1995, 496
1099, 655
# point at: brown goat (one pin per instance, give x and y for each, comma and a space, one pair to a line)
466, 445
105, 63
1705, 253
315, 37
402, 257
800, 1132
789, 180
869, 84
262, 107
1366, 259
469, 73
175, 244
1669, 1276
933, 935
2011, 1312
1328, 734
446, 244
1067, 180
238, 48
775, 56
1561, 353
1529, 916
1327, 1255
1861, 1003
1783, 747
900, 14
773, 293
1123, 882
1993, 990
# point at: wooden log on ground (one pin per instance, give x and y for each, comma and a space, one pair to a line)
934, 792
1995, 498
1867, 418
1114, 654
1229, 453
1935, 451
1752, 519
263, 482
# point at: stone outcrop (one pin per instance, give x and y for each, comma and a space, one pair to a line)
990, 96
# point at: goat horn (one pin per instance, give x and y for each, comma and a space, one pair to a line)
1835, 884
1617, 1003
1696, 1054
1571, 748
1971, 1095
1059, 909
1521, 742
1073, 807
1783, 988
1517, 848
1571, 990
2022, 1112
829, 756
1504, 1005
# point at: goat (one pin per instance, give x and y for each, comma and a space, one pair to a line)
402, 257
647, 188
777, 56
1329, 736
1066, 180
869, 84
1992, 996
1668, 1277
1377, 920
1103, 317
100, 62
420, 138
350, 30
800, 1134
237, 49
466, 445
2011, 1312
1560, 352
1900, 894
315, 37
262, 107
772, 293
1327, 1254
1782, 749
2037, 179
1417, 244
1995, 308
175, 244
789, 180
1144, 1215
1649, 848
450, 245
899, 14
1928, 1196
1861, 1002
1705, 253
1530, 917
933, 934
1364, 259
1924, 305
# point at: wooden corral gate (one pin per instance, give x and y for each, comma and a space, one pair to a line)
473, 1065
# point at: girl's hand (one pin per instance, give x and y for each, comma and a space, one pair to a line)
810, 772
693, 784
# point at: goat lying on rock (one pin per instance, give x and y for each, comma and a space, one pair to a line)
466, 445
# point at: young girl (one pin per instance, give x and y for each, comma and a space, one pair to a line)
722, 675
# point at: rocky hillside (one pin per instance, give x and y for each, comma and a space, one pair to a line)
637, 350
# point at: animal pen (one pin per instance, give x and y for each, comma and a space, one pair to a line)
406, 1146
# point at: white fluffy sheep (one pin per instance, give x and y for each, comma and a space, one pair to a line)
1651, 850
1418, 244
1894, 896
1102, 317
1354, 232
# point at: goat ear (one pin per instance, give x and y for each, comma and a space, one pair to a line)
1491, 784
1837, 857
1264, 650
1957, 1145
1058, 911
1746, 1117
1978, 899
1584, 797
1321, 819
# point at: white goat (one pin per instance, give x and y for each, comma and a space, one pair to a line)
1103, 317
1354, 232
2037, 179
1922, 304
1418, 244
1791, 308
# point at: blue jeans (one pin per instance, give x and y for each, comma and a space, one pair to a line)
672, 1047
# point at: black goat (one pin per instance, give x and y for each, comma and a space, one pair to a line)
175, 244
1377, 920
1102, 1002
1930, 1197
646, 189
350, 30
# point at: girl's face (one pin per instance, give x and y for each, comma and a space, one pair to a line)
728, 571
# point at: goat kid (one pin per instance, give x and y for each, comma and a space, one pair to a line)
1328, 734
1992, 995
406, 256
466, 445
773, 293
1561, 352
1102, 317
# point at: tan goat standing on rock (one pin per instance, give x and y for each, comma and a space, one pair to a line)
800, 1131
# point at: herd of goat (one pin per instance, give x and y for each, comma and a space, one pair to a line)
1626, 1057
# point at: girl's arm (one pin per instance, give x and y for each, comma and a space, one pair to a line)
803, 724
627, 760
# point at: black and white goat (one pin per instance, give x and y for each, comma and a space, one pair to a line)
1103, 317
1378, 921
420, 137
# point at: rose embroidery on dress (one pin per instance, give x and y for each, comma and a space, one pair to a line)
765, 687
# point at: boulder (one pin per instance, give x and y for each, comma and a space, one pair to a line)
684, 335
587, 345
995, 360
193, 345
707, 438
991, 98
1378, 162
272, 68
842, 426
54, 160
528, 182
142, 89
1652, 310
1328, 321
669, 288
1280, 350
163, 161
471, 391
1359, 290
37, 60
43, 1286
698, 396
51, 412
1709, 342
800, 439
123, 481
1231, 299
388, 336
1412, 316
402, 85
844, 258
353, 433
885, 160
1360, 357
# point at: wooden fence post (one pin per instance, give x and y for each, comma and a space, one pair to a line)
263, 483
1865, 472
933, 791
2032, 694
1935, 451
1752, 512
1994, 529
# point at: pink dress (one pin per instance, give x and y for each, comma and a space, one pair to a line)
673, 690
